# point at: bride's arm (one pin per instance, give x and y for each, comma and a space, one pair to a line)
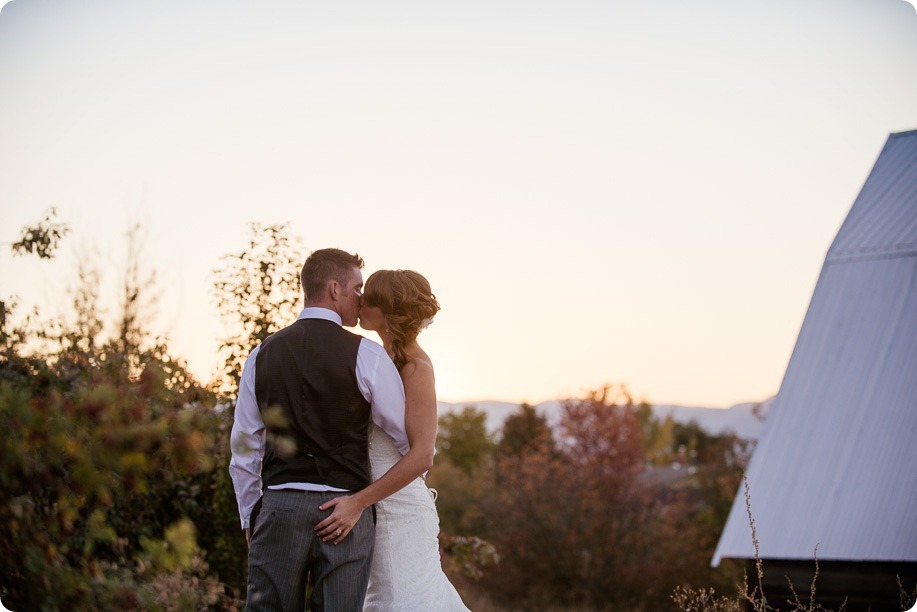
420, 424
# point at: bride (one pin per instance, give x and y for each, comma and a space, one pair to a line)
406, 570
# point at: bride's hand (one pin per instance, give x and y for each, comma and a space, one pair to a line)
346, 513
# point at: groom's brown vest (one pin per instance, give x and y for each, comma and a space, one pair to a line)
305, 374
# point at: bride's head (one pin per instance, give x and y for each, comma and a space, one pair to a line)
400, 303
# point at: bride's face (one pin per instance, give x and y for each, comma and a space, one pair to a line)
371, 318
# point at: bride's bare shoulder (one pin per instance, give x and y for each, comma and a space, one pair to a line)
419, 369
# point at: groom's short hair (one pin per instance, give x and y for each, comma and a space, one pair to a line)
324, 266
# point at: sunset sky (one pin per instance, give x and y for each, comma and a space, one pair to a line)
638, 191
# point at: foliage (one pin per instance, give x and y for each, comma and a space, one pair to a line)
115, 492
110, 440
43, 238
575, 519
658, 435
464, 472
461, 495
471, 554
705, 600
463, 438
92, 481
522, 430
907, 599
217, 517
256, 291
576, 528
750, 592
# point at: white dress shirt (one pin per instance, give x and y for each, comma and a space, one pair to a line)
379, 383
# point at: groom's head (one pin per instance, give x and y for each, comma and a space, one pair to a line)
331, 278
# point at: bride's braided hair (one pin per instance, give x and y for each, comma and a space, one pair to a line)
406, 302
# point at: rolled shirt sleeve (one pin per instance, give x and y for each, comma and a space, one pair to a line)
381, 385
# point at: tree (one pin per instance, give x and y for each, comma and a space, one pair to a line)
100, 480
658, 435
524, 428
257, 291
601, 431
463, 438
579, 528
43, 238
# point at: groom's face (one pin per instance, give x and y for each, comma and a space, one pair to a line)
351, 296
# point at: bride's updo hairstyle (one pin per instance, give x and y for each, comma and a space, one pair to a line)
406, 302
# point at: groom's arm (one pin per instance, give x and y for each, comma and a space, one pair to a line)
247, 444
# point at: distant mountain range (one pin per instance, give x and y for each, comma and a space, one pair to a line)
740, 419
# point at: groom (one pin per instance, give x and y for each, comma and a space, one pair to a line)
306, 397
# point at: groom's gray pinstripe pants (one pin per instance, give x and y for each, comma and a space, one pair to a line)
285, 551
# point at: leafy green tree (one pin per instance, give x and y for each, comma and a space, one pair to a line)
463, 478
658, 435
460, 496
257, 291
463, 438
463, 472
99, 482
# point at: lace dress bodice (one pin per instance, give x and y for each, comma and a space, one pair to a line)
383, 453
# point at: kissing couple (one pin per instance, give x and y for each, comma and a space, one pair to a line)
332, 437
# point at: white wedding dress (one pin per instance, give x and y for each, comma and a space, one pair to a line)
406, 572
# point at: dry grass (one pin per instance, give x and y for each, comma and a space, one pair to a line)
908, 600
701, 600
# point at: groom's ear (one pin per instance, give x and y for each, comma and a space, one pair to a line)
333, 290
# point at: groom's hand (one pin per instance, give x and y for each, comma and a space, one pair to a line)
347, 512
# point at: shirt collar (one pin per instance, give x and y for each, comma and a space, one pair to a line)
317, 312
